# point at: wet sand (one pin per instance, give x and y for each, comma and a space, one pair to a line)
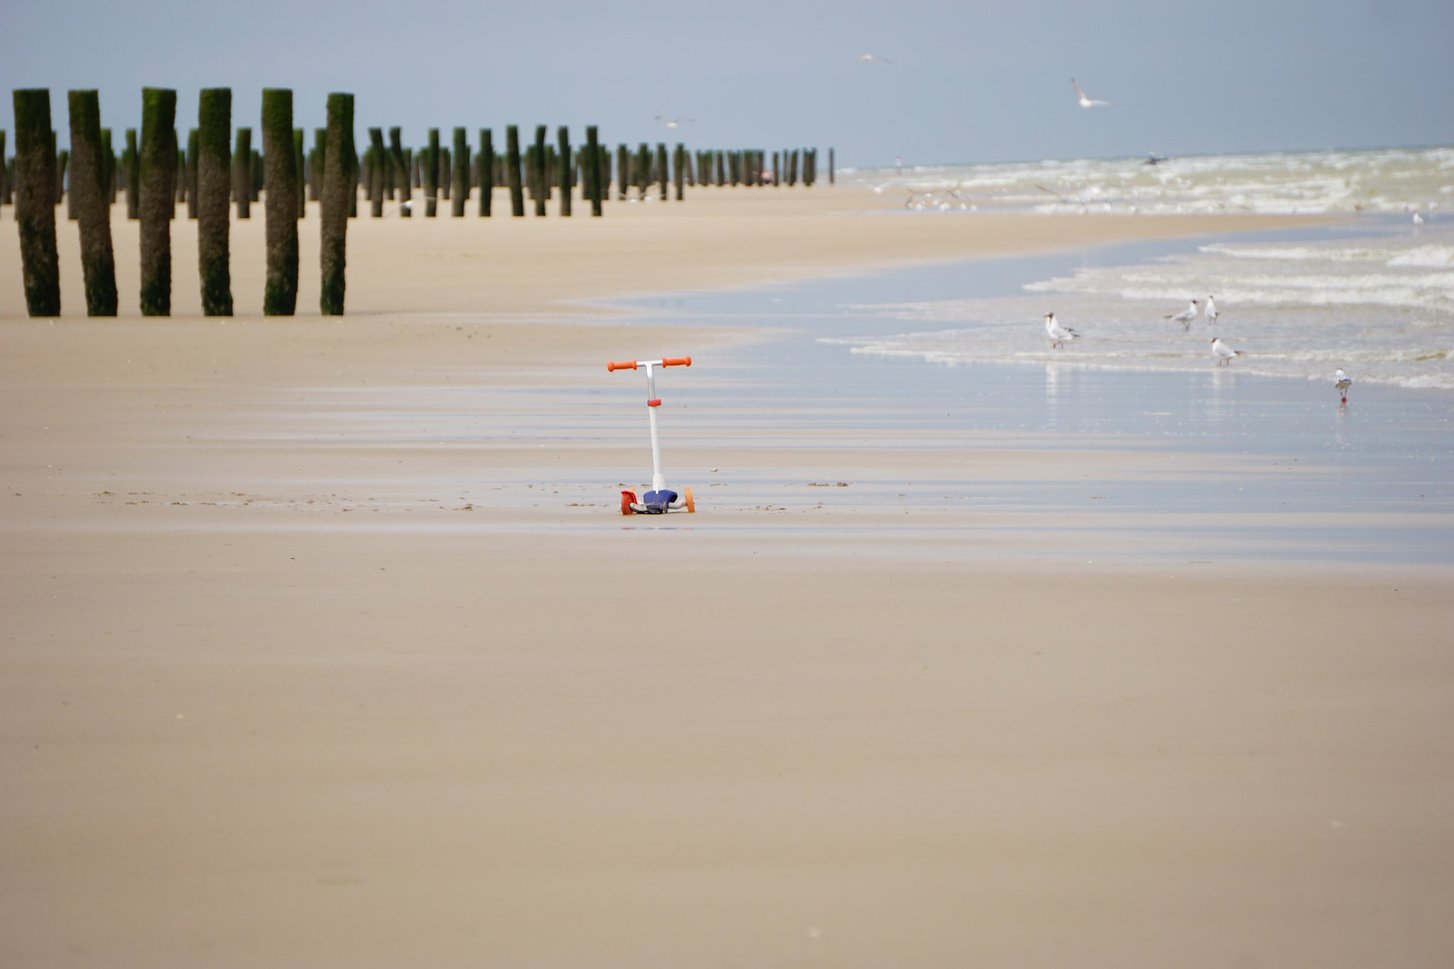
324, 644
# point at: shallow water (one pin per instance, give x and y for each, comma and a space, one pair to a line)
1388, 454
1373, 297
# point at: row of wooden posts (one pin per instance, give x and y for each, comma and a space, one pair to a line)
220, 168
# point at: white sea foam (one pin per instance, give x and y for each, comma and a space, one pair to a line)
1436, 257
1389, 180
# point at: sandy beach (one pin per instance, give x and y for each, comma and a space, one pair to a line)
325, 644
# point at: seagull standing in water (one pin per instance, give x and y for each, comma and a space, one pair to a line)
1224, 353
1211, 310
1185, 316
1058, 334
1085, 100
1343, 382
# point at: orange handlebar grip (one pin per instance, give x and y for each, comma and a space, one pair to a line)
620, 365
677, 362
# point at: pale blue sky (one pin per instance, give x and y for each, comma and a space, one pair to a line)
970, 82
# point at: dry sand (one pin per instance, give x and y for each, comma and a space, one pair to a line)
324, 645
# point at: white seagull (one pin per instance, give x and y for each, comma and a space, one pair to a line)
1058, 334
1185, 316
672, 123
872, 59
1224, 353
1343, 382
1085, 100
1211, 310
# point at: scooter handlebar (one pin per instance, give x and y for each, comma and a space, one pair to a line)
632, 364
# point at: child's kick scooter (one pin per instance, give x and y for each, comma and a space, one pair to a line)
660, 499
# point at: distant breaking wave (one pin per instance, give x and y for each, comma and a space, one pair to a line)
1402, 180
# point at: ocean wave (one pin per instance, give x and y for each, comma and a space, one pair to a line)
1297, 253
1387, 181
1431, 257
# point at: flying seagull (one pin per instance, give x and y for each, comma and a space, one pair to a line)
1058, 334
1085, 100
1224, 353
872, 59
672, 123
1343, 382
1185, 316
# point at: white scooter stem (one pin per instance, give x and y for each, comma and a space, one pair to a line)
658, 480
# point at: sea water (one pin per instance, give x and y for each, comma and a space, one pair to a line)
1373, 296
954, 356
1389, 181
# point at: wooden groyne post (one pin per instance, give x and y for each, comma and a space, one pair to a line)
280, 204
35, 208
88, 197
214, 190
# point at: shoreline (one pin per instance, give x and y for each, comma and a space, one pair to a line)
532, 265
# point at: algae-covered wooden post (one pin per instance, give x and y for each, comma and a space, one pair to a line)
255, 175
190, 173
132, 172
512, 171
88, 201
280, 203
63, 164
662, 173
642, 164
4, 172
214, 191
459, 194
623, 171
431, 175
377, 166
338, 187
315, 165
242, 173
567, 170
487, 171
402, 181
301, 195
831, 176
593, 170
181, 180
158, 164
35, 201
679, 166
539, 183
108, 159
